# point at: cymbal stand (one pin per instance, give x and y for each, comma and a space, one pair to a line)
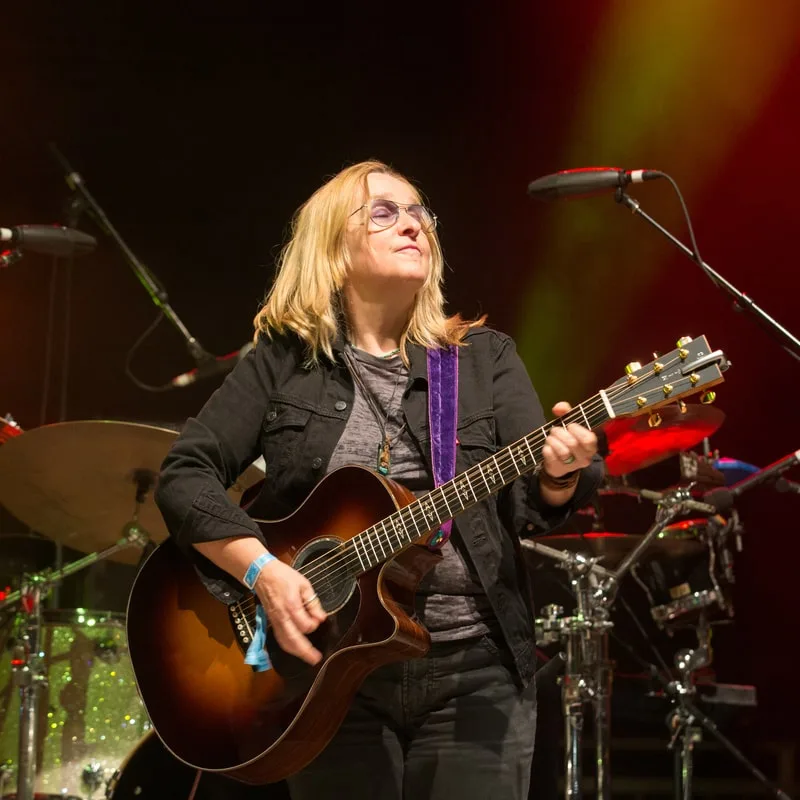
684, 718
587, 673
27, 659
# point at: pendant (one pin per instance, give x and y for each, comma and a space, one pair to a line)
384, 460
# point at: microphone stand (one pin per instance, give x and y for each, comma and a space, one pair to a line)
157, 292
785, 338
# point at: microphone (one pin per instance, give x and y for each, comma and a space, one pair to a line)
587, 181
49, 240
722, 498
209, 369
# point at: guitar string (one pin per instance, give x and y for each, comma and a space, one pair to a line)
345, 561
507, 460
319, 566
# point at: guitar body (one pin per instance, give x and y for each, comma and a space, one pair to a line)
214, 712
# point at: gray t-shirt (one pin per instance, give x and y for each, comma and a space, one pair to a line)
450, 600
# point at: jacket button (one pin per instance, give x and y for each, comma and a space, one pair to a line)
340, 405
271, 416
316, 463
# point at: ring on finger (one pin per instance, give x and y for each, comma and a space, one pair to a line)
311, 599
570, 459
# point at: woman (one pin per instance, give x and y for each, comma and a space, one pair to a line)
338, 375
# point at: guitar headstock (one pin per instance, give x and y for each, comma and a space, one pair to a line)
689, 369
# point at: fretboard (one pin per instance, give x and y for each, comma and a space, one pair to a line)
384, 540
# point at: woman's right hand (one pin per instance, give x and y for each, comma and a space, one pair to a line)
292, 607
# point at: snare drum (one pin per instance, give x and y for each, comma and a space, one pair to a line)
683, 588
151, 772
90, 714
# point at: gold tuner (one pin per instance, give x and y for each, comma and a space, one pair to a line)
654, 420
641, 401
658, 367
684, 340
707, 398
630, 369
682, 407
668, 389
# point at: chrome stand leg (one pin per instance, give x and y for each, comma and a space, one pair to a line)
602, 717
572, 697
27, 675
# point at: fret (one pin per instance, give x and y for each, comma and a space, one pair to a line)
429, 510
389, 536
514, 460
374, 535
464, 488
394, 519
456, 498
354, 541
450, 514
407, 511
488, 488
372, 545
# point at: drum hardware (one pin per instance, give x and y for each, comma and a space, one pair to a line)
27, 657
588, 671
686, 722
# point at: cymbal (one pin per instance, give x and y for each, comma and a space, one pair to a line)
613, 547
633, 444
77, 482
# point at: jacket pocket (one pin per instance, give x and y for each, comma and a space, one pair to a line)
283, 434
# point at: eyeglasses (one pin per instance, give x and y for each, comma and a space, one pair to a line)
384, 213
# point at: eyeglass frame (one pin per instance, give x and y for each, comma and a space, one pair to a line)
406, 206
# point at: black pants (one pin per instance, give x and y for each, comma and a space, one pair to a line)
455, 724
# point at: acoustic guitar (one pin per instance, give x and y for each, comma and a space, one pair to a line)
360, 539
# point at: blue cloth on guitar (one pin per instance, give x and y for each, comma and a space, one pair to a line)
256, 655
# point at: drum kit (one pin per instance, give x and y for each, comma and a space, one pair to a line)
683, 565
71, 721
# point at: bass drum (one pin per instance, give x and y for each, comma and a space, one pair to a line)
90, 714
151, 772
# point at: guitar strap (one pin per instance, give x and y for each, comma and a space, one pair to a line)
443, 420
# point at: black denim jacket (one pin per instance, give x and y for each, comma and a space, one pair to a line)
273, 405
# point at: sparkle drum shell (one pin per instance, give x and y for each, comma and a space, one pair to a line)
90, 714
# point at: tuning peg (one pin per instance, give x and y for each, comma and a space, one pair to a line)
684, 340
630, 369
654, 420
682, 407
707, 398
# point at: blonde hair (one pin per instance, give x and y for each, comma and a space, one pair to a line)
313, 266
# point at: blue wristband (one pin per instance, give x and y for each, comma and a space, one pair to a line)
254, 570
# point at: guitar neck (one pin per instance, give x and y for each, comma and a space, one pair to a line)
388, 537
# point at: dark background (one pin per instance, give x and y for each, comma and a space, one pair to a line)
200, 129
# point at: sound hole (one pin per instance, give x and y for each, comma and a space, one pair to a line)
331, 573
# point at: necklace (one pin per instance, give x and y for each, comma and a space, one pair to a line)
385, 445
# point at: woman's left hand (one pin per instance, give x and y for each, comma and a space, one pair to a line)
567, 448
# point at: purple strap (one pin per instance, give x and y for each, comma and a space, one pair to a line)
443, 419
